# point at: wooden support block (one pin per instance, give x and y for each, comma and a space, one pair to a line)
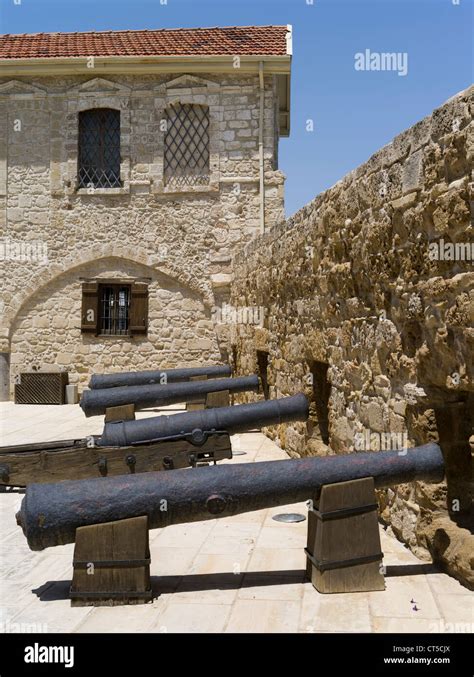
112, 564
343, 551
219, 399
124, 412
197, 404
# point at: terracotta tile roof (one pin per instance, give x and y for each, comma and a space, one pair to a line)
233, 40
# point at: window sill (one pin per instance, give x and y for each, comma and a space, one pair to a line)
185, 190
119, 336
124, 190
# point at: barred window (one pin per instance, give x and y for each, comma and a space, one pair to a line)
99, 148
186, 159
114, 309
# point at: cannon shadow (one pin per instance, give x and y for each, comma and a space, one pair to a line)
161, 585
53, 591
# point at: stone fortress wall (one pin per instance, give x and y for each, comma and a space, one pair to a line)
367, 295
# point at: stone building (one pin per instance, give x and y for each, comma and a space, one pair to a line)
132, 164
367, 298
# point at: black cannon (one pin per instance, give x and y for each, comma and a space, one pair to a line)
51, 513
159, 443
161, 376
95, 402
196, 426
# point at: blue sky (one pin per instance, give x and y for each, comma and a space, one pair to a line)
353, 112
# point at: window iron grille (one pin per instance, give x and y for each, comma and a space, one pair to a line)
99, 148
114, 310
186, 157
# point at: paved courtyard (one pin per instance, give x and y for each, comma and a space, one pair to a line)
238, 574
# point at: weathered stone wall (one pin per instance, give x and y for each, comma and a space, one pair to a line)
352, 284
184, 237
47, 329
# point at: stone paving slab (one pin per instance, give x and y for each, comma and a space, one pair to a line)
237, 574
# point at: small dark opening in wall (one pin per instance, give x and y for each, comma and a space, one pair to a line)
318, 424
454, 415
412, 337
234, 361
262, 362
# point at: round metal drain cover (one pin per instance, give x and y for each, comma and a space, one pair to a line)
239, 453
289, 517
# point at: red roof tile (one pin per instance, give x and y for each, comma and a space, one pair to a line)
234, 40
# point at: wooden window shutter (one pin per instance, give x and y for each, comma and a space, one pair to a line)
90, 308
139, 308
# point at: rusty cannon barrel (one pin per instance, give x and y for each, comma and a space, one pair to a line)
160, 376
196, 426
95, 402
51, 513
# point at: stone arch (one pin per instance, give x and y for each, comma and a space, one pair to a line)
137, 255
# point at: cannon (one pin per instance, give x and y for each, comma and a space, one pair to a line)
51, 513
196, 426
158, 443
161, 376
95, 402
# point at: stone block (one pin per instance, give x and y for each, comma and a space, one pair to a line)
412, 177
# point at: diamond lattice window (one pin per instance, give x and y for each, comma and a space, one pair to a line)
99, 148
186, 160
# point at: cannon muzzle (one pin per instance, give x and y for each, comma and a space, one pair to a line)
51, 513
195, 426
95, 402
161, 376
